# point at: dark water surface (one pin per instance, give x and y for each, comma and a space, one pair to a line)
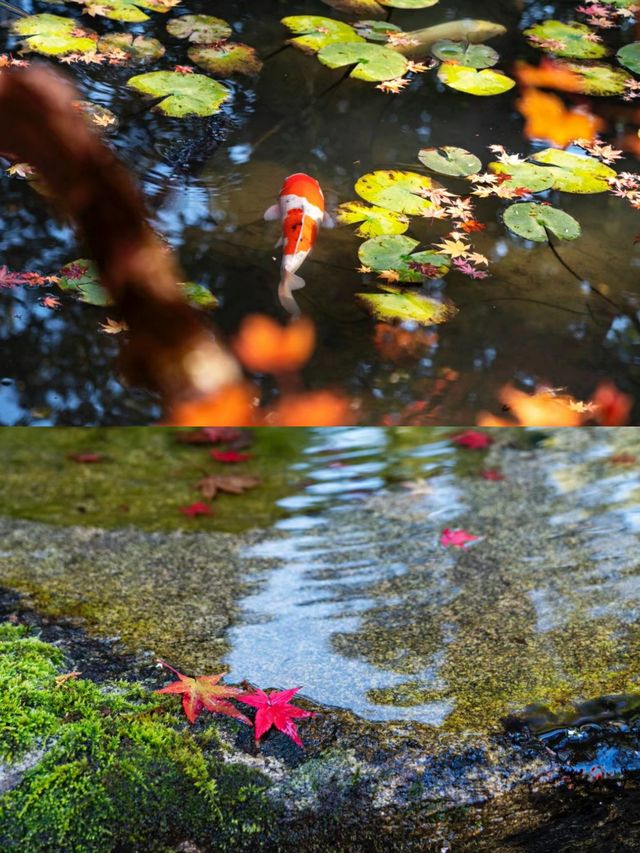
208, 182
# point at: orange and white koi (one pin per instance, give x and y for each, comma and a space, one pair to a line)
301, 209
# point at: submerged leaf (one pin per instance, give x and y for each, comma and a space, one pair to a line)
531, 221
482, 83
226, 59
185, 94
397, 191
407, 305
393, 252
375, 220
139, 48
199, 29
469, 55
372, 62
449, 160
316, 32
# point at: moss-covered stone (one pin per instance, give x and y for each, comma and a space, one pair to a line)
113, 767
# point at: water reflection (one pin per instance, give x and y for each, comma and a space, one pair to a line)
208, 183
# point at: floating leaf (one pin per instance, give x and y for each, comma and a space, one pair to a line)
199, 29
318, 32
375, 30
98, 116
469, 55
198, 295
394, 252
483, 83
407, 305
449, 160
376, 8
186, 94
375, 220
629, 56
139, 48
574, 173
124, 10
226, 59
408, 4
597, 78
53, 35
372, 62
530, 220
397, 191
572, 40
526, 175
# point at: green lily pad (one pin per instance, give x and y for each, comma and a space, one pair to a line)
524, 176
449, 160
373, 62
375, 30
81, 279
226, 59
407, 305
375, 220
599, 79
571, 40
376, 8
139, 48
53, 35
397, 191
124, 10
199, 29
469, 55
98, 116
573, 173
394, 252
408, 4
629, 56
185, 94
473, 82
531, 221
316, 32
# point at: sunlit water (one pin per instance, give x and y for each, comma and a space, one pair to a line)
208, 183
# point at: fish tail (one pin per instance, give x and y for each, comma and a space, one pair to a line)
288, 283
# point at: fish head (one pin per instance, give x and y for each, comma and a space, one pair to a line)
478, 31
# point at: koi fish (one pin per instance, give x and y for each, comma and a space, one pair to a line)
419, 42
301, 209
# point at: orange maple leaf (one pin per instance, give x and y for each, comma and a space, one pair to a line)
203, 693
547, 118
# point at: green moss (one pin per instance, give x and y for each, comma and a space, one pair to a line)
146, 476
119, 768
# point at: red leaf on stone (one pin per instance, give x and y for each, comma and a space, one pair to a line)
229, 456
472, 439
204, 693
491, 474
457, 538
273, 709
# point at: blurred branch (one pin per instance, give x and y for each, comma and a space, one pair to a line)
170, 349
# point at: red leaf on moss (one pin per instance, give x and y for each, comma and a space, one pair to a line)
204, 693
211, 435
229, 456
457, 538
196, 509
86, 458
274, 710
472, 439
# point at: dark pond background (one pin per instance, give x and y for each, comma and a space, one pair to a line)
209, 181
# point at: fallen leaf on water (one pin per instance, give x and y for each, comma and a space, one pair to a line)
113, 327
196, 509
472, 439
273, 709
204, 693
457, 538
233, 485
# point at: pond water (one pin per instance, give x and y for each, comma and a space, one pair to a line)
208, 182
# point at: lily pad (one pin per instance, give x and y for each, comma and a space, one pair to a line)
317, 32
375, 30
629, 56
599, 79
469, 55
407, 305
531, 221
372, 62
139, 48
199, 29
198, 295
376, 8
375, 220
53, 35
408, 4
572, 40
524, 175
573, 173
125, 10
473, 82
394, 252
397, 191
449, 160
98, 116
185, 94
226, 59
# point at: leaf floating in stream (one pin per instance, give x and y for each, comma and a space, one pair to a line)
186, 94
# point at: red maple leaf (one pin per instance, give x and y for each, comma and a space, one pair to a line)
491, 474
229, 456
86, 457
457, 538
204, 692
196, 509
274, 710
472, 225
472, 439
